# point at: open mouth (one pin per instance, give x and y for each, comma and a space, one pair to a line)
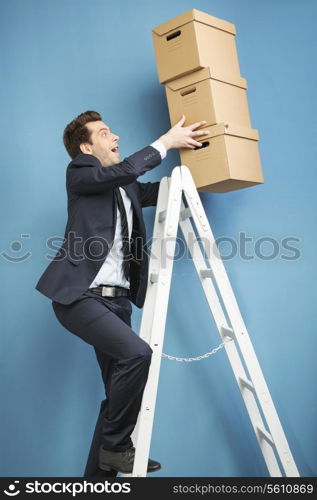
115, 149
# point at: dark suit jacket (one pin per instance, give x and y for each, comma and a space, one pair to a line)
91, 225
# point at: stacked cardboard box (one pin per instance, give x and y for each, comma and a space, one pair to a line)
198, 64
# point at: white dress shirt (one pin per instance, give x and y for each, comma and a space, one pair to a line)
111, 271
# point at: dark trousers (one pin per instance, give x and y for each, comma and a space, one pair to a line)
124, 360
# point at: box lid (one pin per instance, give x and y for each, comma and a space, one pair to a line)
194, 15
230, 129
199, 76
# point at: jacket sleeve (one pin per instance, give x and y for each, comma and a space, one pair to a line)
86, 175
149, 193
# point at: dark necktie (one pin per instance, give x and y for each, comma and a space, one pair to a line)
124, 234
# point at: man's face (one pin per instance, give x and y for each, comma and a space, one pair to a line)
104, 144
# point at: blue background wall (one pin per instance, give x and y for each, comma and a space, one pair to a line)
62, 57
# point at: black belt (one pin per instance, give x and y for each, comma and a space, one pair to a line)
111, 291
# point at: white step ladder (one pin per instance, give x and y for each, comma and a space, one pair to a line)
170, 213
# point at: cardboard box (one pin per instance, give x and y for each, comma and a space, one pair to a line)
228, 160
200, 97
195, 40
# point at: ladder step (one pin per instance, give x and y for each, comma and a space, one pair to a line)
153, 277
185, 213
247, 383
162, 216
206, 273
227, 332
265, 435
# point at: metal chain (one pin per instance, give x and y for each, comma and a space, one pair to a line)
173, 358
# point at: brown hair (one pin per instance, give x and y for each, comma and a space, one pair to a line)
76, 132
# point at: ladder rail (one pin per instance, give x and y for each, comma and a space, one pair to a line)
158, 309
154, 264
146, 325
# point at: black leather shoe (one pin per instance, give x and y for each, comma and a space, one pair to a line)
122, 461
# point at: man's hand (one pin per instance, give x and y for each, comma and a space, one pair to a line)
183, 137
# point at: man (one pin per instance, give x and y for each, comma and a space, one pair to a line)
102, 266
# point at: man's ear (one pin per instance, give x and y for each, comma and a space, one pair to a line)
85, 148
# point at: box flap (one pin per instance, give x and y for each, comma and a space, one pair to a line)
194, 15
230, 129
190, 79
199, 76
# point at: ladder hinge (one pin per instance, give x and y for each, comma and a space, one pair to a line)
162, 216
153, 277
185, 213
265, 435
227, 332
206, 273
247, 383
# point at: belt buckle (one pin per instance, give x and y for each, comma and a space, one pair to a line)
112, 291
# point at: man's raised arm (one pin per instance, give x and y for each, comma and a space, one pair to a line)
86, 175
